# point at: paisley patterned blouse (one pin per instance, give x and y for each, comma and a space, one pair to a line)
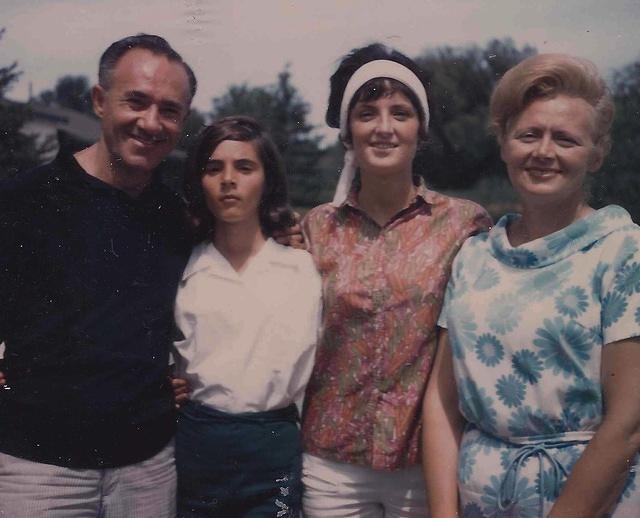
382, 290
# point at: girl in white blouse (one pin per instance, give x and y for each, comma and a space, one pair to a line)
248, 309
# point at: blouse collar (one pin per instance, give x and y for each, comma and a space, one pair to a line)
558, 245
206, 257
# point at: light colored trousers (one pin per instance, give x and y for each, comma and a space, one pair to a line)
146, 489
336, 489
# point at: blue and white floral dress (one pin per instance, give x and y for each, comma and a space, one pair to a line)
526, 326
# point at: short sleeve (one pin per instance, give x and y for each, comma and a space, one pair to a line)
306, 232
442, 319
313, 289
481, 221
457, 267
477, 222
620, 287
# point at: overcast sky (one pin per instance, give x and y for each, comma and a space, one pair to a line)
234, 41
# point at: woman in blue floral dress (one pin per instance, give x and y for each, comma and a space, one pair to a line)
534, 404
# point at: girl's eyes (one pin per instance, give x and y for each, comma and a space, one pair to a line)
212, 169
365, 114
217, 167
397, 114
402, 114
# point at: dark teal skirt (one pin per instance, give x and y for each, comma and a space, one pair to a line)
238, 465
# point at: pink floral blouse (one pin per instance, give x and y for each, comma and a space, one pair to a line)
382, 293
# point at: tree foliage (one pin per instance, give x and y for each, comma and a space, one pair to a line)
461, 80
619, 181
73, 92
283, 112
192, 127
459, 152
17, 151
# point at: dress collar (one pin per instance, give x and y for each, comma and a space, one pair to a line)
558, 245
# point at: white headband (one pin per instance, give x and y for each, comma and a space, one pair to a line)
371, 70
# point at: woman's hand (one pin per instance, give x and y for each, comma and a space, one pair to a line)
442, 426
599, 475
3, 380
181, 391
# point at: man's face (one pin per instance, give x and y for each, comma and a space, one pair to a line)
143, 110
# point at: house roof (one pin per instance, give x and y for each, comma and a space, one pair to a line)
78, 125
82, 127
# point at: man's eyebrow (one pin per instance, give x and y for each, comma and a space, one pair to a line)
136, 93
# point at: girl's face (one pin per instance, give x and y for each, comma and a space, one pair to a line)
384, 134
549, 149
233, 182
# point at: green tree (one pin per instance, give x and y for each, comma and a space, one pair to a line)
283, 112
619, 181
17, 151
73, 92
192, 127
461, 79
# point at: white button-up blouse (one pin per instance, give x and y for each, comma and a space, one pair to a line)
249, 338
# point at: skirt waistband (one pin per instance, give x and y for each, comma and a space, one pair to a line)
196, 409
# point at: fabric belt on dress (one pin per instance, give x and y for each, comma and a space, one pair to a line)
539, 447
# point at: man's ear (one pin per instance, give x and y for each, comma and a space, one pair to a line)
98, 95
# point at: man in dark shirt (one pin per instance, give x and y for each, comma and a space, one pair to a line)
92, 247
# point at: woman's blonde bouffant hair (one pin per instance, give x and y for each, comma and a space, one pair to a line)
548, 75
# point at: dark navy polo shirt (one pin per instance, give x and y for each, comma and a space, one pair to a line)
88, 277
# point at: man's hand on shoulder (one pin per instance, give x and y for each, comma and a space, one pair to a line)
292, 236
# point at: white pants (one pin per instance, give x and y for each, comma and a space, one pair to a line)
335, 489
146, 489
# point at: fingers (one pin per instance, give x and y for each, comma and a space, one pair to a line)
181, 391
297, 241
3, 380
181, 399
292, 236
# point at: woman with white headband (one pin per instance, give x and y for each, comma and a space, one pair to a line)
383, 247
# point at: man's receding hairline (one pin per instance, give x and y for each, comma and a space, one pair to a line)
112, 71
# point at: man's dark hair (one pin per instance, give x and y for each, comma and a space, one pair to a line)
151, 42
274, 211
